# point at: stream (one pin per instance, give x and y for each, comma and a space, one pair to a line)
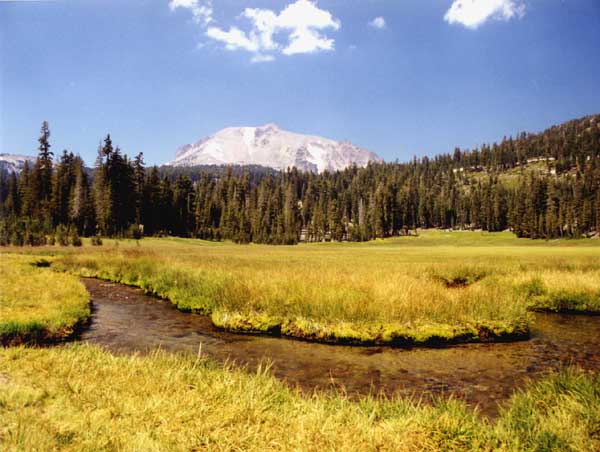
125, 320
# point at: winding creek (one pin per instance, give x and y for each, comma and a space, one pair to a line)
125, 320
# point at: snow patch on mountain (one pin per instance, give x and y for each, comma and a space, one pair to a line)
273, 147
14, 163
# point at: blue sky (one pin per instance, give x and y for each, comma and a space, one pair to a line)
401, 78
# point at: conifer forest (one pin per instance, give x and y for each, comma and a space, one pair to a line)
544, 185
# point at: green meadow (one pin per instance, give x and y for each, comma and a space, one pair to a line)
437, 287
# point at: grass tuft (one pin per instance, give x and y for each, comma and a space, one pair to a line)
456, 276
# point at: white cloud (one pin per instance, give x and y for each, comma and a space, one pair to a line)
378, 22
307, 41
264, 26
234, 39
305, 14
299, 27
201, 9
303, 20
473, 13
258, 58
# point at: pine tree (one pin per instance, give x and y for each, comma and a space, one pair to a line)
27, 192
150, 212
101, 188
81, 205
183, 201
598, 212
62, 184
139, 177
44, 166
12, 203
551, 213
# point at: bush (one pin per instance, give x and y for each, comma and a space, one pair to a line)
96, 240
25, 231
4, 234
34, 238
16, 239
29, 238
75, 239
134, 232
62, 235
534, 288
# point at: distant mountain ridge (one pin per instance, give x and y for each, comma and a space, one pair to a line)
272, 147
14, 163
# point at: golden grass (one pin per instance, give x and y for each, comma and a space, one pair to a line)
81, 398
436, 288
307, 298
37, 304
78, 397
557, 290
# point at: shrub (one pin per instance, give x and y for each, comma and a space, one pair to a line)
75, 239
16, 239
96, 240
134, 232
4, 233
62, 235
534, 288
34, 238
41, 263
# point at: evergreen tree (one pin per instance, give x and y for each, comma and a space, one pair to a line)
81, 204
44, 166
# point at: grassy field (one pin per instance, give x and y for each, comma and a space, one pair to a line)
36, 304
79, 397
435, 288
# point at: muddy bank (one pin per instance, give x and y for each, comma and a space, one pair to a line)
42, 336
436, 335
126, 320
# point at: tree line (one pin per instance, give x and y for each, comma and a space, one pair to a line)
544, 185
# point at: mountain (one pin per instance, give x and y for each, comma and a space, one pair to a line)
273, 147
14, 163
